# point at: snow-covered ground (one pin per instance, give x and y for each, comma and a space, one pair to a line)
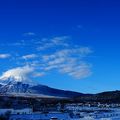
83, 113
41, 116
112, 115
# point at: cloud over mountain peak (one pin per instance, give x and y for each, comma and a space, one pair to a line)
19, 74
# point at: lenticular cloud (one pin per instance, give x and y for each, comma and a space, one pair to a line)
19, 74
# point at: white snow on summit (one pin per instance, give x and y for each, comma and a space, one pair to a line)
19, 74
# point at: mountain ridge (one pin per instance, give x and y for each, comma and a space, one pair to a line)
17, 88
14, 87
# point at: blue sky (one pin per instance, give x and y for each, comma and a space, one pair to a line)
65, 44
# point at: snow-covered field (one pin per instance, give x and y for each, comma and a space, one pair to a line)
113, 114
79, 113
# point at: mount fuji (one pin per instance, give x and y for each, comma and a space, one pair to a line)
11, 86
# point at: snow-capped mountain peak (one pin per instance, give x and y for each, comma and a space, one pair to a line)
13, 79
17, 82
16, 88
19, 74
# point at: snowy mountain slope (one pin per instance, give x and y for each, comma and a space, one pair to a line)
11, 86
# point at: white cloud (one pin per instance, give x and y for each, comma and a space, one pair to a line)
39, 74
29, 56
56, 61
3, 56
14, 44
58, 54
78, 70
79, 52
25, 74
70, 62
53, 42
50, 67
19, 74
60, 40
29, 34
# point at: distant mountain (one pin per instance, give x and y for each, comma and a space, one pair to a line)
13, 87
104, 97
